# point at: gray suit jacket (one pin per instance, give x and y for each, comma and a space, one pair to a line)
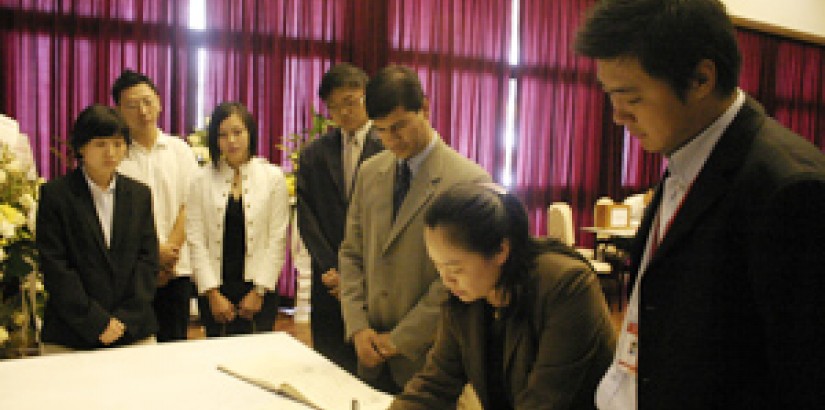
388, 282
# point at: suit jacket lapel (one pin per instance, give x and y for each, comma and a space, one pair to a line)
422, 188
85, 206
123, 201
372, 146
713, 180
335, 164
516, 331
476, 348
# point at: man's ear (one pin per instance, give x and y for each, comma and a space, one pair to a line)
425, 108
703, 81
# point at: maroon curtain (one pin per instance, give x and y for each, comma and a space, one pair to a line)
788, 78
271, 55
60, 56
565, 149
460, 50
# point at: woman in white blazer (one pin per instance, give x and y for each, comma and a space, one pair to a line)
236, 220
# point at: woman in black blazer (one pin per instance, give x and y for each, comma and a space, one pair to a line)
97, 245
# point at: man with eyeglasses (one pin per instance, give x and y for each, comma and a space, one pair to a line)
391, 293
166, 164
325, 177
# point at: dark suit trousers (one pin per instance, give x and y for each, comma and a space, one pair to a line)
328, 328
171, 305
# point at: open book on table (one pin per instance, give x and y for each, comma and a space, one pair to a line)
306, 377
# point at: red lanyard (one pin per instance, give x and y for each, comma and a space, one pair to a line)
655, 243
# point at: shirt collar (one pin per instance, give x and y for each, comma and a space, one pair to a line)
415, 161
96, 189
360, 134
161, 142
685, 163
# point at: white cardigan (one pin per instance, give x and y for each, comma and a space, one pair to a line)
266, 214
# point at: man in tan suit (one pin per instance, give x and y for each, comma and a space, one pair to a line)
391, 294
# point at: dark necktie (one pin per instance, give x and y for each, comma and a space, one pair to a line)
402, 185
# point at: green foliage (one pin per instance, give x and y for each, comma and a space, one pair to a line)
293, 143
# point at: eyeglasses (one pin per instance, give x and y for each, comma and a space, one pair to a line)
347, 104
137, 103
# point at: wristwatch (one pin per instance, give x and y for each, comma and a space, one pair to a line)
260, 290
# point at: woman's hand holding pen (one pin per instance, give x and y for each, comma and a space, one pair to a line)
385, 346
222, 309
366, 347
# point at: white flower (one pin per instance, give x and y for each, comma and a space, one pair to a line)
7, 231
4, 335
27, 200
194, 140
15, 166
31, 220
12, 214
202, 153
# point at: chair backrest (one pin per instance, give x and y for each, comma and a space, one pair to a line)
560, 223
637, 208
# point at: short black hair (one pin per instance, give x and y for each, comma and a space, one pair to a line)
97, 121
129, 79
668, 37
394, 86
219, 114
340, 76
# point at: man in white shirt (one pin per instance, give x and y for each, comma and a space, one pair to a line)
166, 164
726, 309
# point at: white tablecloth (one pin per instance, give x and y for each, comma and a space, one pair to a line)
180, 375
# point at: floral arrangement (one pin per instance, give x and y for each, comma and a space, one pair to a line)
22, 295
293, 143
197, 140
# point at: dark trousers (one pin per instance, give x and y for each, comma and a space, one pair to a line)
172, 309
328, 327
263, 321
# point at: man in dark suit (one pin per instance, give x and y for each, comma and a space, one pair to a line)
726, 310
326, 173
97, 245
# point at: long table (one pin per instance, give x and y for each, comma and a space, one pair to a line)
180, 375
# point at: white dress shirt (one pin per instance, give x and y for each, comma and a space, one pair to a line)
167, 168
351, 148
104, 200
617, 390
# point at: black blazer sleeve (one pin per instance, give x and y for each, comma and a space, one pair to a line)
62, 280
140, 289
310, 202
